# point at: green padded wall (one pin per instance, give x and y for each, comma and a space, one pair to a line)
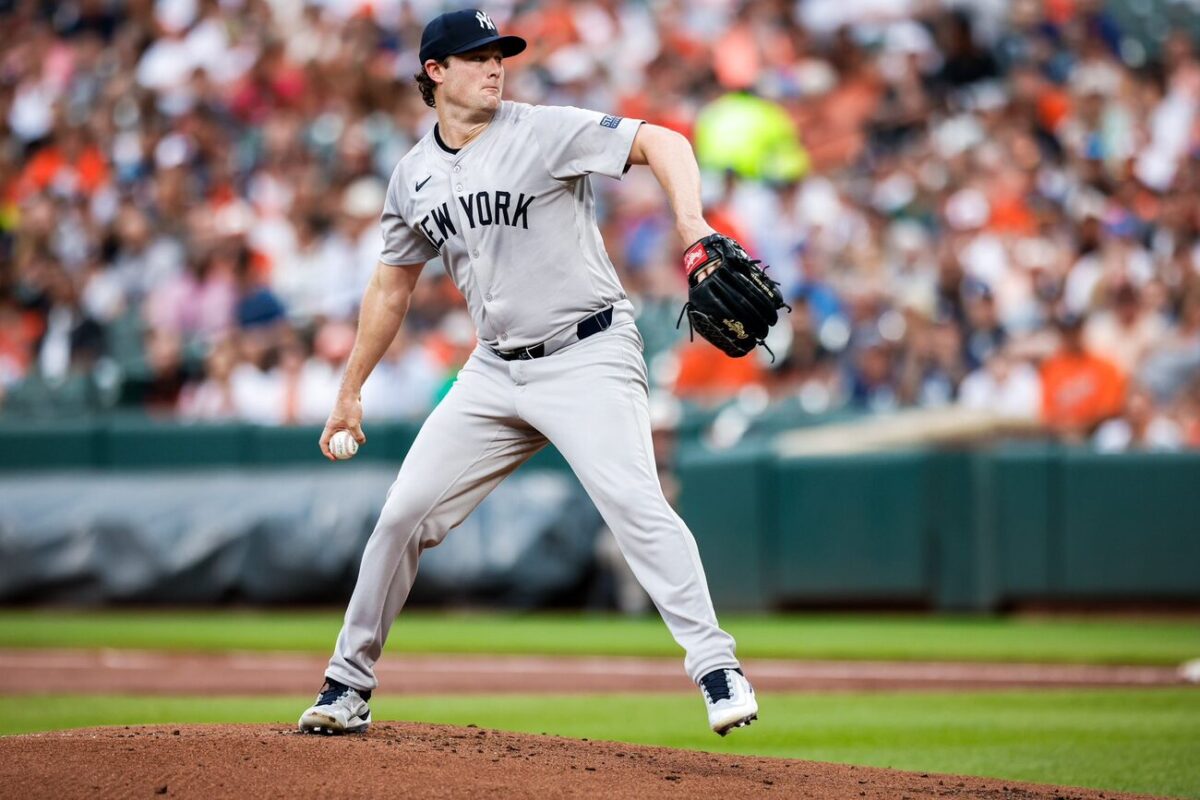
950, 503
960, 530
852, 527
138, 444
725, 499
1131, 525
1017, 512
41, 445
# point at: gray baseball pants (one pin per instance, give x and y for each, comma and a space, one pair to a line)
590, 400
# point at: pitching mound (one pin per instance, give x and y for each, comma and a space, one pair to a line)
411, 760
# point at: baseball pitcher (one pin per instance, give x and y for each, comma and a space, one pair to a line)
502, 192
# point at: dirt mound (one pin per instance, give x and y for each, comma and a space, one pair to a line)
410, 760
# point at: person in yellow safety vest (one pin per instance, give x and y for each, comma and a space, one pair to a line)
752, 136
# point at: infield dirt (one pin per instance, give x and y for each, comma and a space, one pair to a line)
439, 761
159, 672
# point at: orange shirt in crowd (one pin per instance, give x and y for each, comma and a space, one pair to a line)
723, 220
1053, 106
43, 169
640, 105
1191, 433
1080, 389
736, 58
707, 373
548, 28
832, 126
19, 332
1011, 214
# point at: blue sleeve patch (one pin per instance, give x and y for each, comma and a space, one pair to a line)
610, 122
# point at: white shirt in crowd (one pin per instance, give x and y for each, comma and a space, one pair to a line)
1116, 436
1018, 394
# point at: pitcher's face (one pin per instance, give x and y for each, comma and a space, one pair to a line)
473, 80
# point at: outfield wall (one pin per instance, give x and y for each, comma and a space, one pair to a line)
131, 510
966, 530
952, 530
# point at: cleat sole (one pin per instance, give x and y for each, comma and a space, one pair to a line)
328, 726
741, 723
328, 731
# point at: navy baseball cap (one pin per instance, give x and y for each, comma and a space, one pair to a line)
460, 31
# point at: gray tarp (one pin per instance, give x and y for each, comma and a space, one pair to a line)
291, 535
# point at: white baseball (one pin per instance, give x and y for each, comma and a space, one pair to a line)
343, 445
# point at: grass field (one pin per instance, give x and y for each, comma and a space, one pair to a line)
859, 637
1145, 740
1132, 740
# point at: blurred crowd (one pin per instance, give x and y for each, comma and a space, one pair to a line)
986, 204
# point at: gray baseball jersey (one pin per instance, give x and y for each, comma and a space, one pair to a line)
513, 217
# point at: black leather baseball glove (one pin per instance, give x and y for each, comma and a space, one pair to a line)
731, 301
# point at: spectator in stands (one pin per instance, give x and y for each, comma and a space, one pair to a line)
71, 341
1175, 362
932, 365
1080, 389
305, 277
212, 397
451, 346
70, 164
195, 169
707, 376
311, 380
166, 375
20, 331
984, 334
256, 305
1126, 331
405, 382
1188, 414
806, 369
1139, 427
964, 62
198, 304
1005, 385
873, 382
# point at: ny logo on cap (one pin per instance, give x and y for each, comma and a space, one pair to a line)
484, 20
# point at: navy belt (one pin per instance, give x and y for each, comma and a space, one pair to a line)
589, 327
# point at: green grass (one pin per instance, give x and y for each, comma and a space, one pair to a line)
1049, 640
1143, 740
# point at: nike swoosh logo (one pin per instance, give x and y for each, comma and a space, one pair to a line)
422, 183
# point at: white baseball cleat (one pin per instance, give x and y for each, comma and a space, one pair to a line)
730, 700
339, 709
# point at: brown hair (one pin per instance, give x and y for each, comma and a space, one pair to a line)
426, 85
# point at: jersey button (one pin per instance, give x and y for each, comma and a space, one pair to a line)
475, 253
458, 188
457, 168
503, 336
487, 297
